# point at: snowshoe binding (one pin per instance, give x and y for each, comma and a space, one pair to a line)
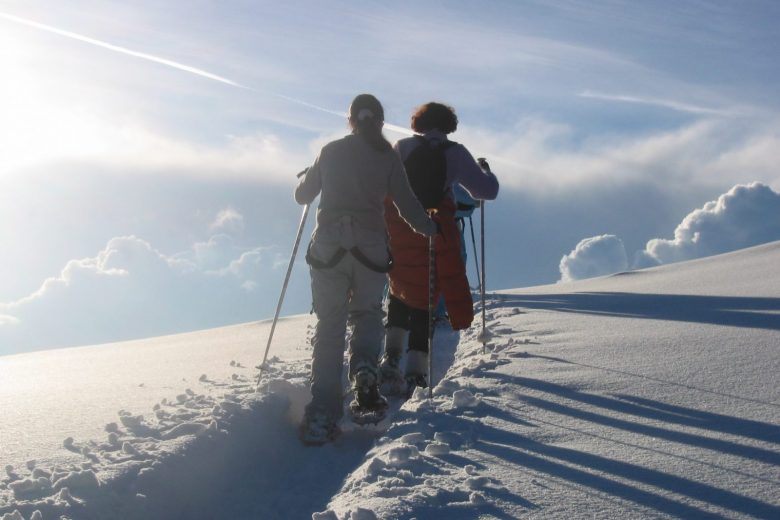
368, 406
318, 428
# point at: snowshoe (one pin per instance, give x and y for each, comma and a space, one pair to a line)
318, 428
368, 406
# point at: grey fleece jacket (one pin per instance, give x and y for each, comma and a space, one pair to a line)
354, 178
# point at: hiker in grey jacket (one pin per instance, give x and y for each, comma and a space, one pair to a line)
348, 258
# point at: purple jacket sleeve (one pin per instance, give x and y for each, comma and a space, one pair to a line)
464, 170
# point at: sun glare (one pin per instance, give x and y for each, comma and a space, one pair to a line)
41, 123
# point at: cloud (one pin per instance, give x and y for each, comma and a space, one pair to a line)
745, 216
679, 106
130, 289
541, 155
6, 320
258, 156
594, 256
43, 133
247, 267
229, 219
212, 253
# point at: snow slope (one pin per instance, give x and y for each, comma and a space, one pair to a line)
650, 394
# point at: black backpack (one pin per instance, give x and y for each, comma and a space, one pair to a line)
426, 168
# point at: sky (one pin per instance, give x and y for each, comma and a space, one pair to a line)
150, 150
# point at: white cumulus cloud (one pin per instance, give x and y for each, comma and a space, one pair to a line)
594, 256
745, 216
130, 290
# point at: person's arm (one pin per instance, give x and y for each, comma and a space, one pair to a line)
408, 206
310, 185
480, 182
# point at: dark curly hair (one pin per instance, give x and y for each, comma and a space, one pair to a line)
434, 116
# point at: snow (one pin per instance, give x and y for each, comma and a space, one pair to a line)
649, 394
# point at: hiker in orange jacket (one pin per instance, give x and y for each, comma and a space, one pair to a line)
433, 164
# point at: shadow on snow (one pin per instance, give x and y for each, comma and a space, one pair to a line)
733, 311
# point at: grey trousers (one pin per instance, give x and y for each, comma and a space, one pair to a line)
347, 293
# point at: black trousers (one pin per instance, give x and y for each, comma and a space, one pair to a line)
414, 320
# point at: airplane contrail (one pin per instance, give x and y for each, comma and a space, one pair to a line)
665, 103
122, 50
161, 61
192, 70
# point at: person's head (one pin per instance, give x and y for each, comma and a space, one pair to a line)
366, 118
434, 116
365, 110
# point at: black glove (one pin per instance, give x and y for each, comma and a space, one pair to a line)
483, 164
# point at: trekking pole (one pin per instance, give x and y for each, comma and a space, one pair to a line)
484, 335
431, 289
474, 244
286, 281
482, 282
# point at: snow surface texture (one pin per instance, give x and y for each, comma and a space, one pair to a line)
650, 394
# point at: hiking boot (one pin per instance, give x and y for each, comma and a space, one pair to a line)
395, 341
392, 379
393, 382
368, 406
416, 371
318, 427
417, 363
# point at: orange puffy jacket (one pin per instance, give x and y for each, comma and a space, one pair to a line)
409, 274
